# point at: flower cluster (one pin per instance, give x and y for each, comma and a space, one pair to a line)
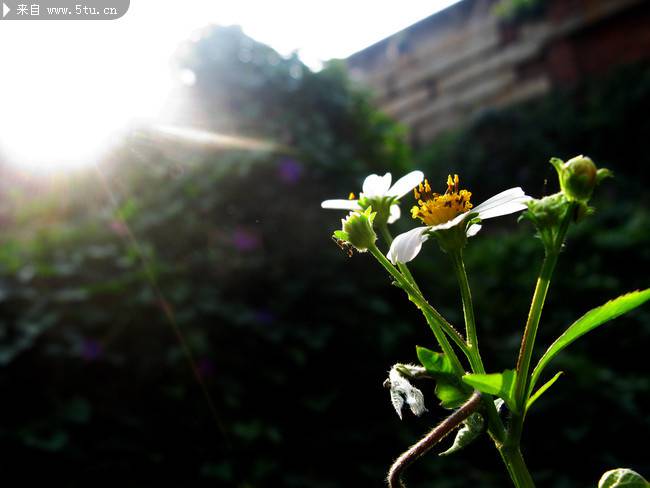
451, 217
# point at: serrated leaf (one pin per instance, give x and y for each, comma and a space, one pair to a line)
588, 322
435, 363
471, 429
622, 478
542, 389
499, 384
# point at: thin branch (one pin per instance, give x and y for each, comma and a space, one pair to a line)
431, 439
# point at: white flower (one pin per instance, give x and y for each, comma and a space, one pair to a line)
406, 246
377, 188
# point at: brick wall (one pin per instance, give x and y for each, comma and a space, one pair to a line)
449, 67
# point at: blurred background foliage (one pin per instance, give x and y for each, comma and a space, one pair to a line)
110, 277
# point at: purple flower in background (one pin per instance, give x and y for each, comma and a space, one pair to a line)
289, 170
245, 240
91, 349
119, 227
264, 316
205, 367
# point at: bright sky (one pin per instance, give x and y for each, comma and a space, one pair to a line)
68, 86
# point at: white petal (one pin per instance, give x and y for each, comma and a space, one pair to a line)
405, 184
505, 208
504, 203
395, 213
450, 223
406, 246
499, 198
376, 186
473, 229
341, 204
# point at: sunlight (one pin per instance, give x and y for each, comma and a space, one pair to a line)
69, 88
74, 86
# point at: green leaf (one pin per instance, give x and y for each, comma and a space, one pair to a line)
499, 384
587, 322
435, 363
452, 394
622, 478
541, 390
449, 389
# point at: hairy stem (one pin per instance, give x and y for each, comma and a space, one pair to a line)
431, 439
530, 332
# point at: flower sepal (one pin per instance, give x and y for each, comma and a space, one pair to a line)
357, 230
453, 239
547, 214
386, 208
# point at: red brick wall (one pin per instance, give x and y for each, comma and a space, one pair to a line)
621, 39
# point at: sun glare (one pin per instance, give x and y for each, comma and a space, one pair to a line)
69, 87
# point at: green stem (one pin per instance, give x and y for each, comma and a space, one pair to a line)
522, 380
495, 425
438, 324
388, 238
539, 297
530, 332
449, 329
385, 233
434, 319
516, 466
468, 311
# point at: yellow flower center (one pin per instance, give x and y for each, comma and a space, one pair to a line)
434, 209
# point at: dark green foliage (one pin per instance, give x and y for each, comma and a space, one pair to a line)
290, 336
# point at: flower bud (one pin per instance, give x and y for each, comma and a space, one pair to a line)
547, 215
578, 177
357, 229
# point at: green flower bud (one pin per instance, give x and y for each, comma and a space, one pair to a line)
547, 214
357, 229
578, 177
